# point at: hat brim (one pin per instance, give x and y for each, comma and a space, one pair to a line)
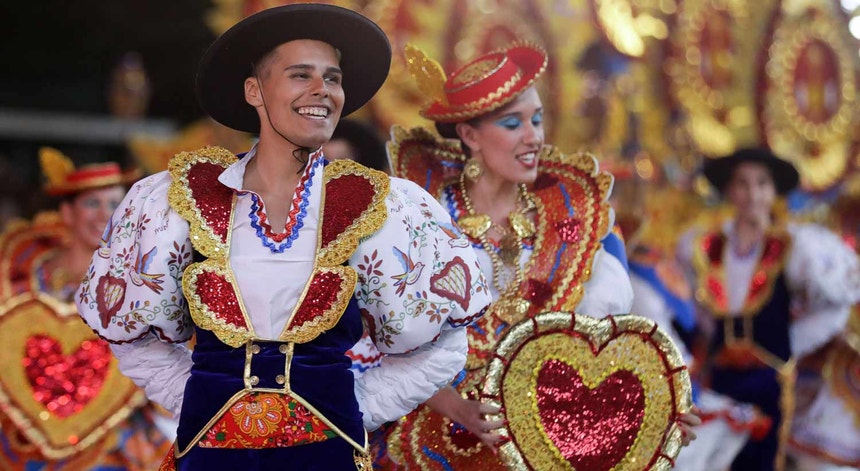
124, 179
719, 171
531, 62
364, 49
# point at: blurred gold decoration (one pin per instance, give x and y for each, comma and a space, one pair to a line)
810, 97
153, 153
428, 74
629, 25
129, 89
455, 32
56, 166
711, 69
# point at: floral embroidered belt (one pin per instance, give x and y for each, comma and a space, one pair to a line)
268, 394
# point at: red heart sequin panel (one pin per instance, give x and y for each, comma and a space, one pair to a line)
593, 428
217, 293
65, 384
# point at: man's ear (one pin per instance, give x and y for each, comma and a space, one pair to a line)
468, 134
252, 92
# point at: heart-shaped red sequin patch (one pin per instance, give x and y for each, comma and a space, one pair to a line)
580, 421
573, 392
60, 384
65, 383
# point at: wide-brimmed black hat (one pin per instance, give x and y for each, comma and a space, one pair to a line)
719, 171
364, 49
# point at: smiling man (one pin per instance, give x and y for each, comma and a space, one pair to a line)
275, 258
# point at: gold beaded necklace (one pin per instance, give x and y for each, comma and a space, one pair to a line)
509, 307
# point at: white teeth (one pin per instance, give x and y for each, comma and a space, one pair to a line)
527, 158
313, 111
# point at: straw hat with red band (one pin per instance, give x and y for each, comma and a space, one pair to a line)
483, 85
364, 49
63, 179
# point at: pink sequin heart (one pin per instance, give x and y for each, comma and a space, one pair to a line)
569, 230
593, 428
65, 384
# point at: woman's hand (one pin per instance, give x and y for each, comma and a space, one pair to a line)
686, 422
469, 414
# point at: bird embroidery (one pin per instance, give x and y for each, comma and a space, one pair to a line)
410, 275
139, 275
456, 235
105, 240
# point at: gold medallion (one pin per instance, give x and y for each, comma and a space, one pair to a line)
475, 225
521, 224
510, 309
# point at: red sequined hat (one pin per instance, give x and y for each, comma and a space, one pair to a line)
64, 179
483, 85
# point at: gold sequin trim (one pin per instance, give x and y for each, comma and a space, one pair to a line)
54, 437
312, 329
371, 219
204, 317
630, 343
182, 201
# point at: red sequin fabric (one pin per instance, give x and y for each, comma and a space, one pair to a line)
210, 200
356, 195
593, 428
322, 295
217, 294
65, 383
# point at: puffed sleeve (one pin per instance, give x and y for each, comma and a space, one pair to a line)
417, 273
419, 284
133, 285
608, 291
823, 275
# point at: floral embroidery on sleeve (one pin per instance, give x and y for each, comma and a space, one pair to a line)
417, 275
134, 281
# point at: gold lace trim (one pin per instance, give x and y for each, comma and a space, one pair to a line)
231, 335
312, 329
182, 200
371, 219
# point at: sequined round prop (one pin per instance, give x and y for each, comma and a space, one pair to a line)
808, 105
60, 386
580, 393
842, 373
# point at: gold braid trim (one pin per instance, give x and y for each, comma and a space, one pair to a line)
312, 329
182, 201
787, 377
565, 296
230, 334
369, 221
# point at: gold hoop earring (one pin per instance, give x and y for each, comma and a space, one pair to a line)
473, 169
